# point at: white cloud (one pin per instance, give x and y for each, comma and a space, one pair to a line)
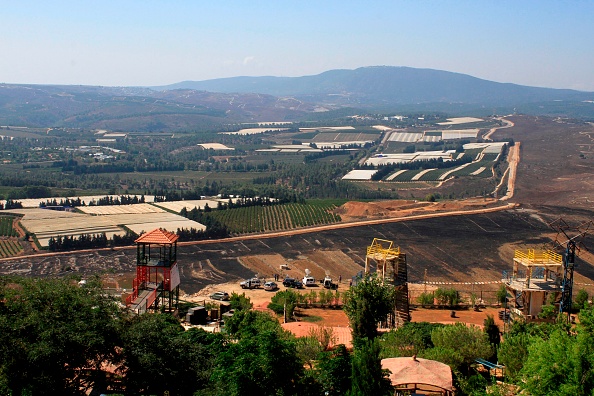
248, 59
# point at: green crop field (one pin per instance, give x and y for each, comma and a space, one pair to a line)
278, 217
9, 248
6, 226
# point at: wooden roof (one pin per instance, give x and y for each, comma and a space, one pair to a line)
158, 235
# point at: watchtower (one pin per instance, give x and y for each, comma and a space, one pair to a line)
392, 267
157, 274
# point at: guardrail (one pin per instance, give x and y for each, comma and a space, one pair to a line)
543, 257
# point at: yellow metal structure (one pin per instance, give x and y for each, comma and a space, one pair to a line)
392, 268
381, 250
535, 257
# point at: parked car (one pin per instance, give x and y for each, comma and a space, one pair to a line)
220, 295
270, 286
290, 282
250, 283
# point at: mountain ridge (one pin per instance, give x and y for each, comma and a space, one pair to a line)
375, 85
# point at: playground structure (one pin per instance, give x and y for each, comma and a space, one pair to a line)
156, 285
535, 279
391, 266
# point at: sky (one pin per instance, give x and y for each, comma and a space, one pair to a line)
147, 43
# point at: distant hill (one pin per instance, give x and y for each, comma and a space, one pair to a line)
388, 86
139, 109
207, 105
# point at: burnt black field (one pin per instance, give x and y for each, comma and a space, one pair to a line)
462, 248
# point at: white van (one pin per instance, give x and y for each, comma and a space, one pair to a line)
309, 280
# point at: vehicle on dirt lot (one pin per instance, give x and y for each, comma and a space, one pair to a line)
250, 283
328, 284
290, 282
309, 280
270, 286
220, 295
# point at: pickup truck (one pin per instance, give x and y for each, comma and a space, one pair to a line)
250, 283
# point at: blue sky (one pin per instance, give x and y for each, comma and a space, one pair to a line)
538, 43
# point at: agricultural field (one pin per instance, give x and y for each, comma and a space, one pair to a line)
143, 208
6, 228
277, 217
9, 248
45, 223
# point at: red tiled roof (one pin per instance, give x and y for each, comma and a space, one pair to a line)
158, 235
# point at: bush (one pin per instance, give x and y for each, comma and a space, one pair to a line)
447, 297
581, 298
284, 301
501, 294
425, 299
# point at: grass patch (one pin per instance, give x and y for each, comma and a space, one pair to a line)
311, 318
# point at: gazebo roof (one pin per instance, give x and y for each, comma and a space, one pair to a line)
413, 370
158, 235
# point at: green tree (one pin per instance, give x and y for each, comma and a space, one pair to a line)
334, 371
459, 345
366, 305
581, 298
245, 324
367, 376
561, 365
425, 299
492, 331
55, 335
284, 302
411, 339
263, 364
513, 353
240, 302
501, 294
308, 349
158, 356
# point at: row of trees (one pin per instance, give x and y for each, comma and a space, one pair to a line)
89, 241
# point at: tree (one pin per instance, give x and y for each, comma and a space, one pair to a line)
334, 371
366, 305
492, 331
55, 335
513, 353
459, 345
581, 298
158, 356
367, 376
561, 365
263, 364
501, 294
284, 302
240, 302
247, 323
408, 340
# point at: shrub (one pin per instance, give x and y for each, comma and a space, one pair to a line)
425, 299
448, 297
